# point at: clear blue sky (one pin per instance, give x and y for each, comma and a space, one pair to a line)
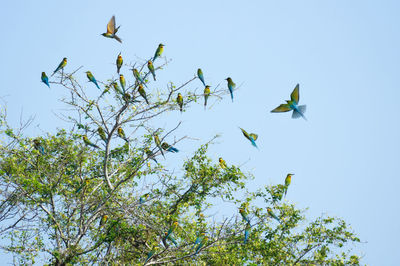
344, 54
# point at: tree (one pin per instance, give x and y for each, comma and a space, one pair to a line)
98, 192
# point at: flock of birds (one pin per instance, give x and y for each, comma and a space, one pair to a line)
290, 105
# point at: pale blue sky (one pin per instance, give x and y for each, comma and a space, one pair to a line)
344, 54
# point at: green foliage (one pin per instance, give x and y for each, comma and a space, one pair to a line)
53, 201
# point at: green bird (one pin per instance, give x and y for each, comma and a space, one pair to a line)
112, 30
142, 93
119, 62
150, 154
206, 95
88, 142
122, 82
252, 137
102, 134
247, 233
199, 239
242, 212
121, 134
298, 110
38, 146
288, 180
92, 79
144, 198
231, 86
158, 143
137, 76
170, 237
61, 65
116, 88
171, 229
151, 253
169, 148
45, 79
84, 184
201, 76
103, 220
222, 163
150, 66
202, 243
159, 51
179, 100
272, 214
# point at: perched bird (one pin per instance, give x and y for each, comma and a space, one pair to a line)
298, 110
288, 180
171, 229
142, 93
111, 30
144, 198
252, 137
159, 51
84, 184
231, 86
61, 65
150, 66
45, 79
272, 214
199, 239
150, 254
244, 215
88, 142
119, 62
92, 79
121, 134
168, 147
246, 233
102, 134
122, 82
103, 220
201, 76
222, 163
206, 95
139, 79
158, 143
149, 154
202, 243
179, 100
38, 146
116, 88
170, 237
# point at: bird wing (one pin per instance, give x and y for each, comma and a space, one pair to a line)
245, 133
295, 94
281, 108
111, 25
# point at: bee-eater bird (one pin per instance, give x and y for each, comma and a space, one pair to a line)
202, 243
171, 229
168, 147
150, 66
144, 198
199, 239
206, 95
272, 214
298, 110
231, 86
88, 142
92, 79
222, 163
159, 51
150, 154
170, 237
150, 254
38, 146
158, 143
252, 137
122, 82
119, 62
244, 215
116, 87
111, 30
179, 100
45, 79
142, 93
61, 65
201, 76
102, 134
246, 233
139, 79
103, 220
121, 134
84, 184
288, 180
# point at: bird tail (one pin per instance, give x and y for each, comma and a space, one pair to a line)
173, 149
117, 38
299, 112
231, 95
